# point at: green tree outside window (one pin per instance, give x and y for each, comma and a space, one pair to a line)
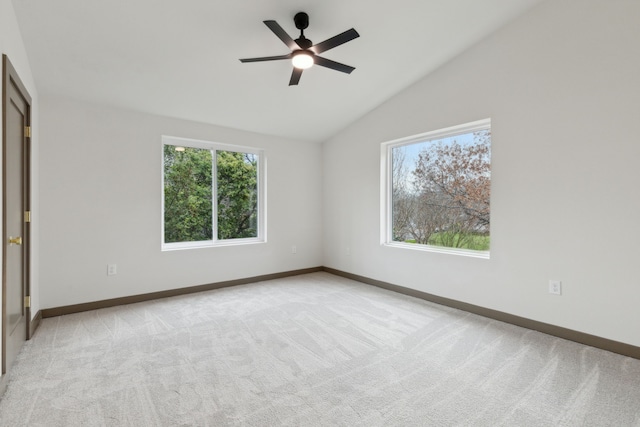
189, 190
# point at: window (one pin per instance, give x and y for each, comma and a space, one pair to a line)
437, 190
213, 194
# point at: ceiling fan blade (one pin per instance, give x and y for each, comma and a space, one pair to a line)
295, 76
282, 34
324, 62
266, 58
335, 41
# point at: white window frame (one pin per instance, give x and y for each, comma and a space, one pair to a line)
262, 194
386, 187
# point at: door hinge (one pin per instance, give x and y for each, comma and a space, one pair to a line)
27, 131
27, 216
27, 302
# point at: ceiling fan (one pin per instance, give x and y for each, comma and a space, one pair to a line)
303, 52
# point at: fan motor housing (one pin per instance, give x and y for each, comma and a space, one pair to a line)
304, 42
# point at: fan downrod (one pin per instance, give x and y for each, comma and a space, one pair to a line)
302, 21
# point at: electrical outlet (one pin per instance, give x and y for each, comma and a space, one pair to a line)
112, 269
294, 249
555, 287
348, 251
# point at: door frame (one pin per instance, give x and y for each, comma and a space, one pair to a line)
10, 77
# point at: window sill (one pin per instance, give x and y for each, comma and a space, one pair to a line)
438, 249
209, 244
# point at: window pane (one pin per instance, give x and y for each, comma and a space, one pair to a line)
237, 195
211, 194
441, 191
187, 194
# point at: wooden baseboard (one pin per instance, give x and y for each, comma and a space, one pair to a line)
557, 331
77, 308
34, 323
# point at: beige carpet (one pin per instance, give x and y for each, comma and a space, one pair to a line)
312, 350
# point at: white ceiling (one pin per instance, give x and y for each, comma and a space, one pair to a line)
180, 58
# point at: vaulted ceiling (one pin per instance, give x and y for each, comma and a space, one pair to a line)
180, 58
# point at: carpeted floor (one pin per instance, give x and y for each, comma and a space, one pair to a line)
312, 350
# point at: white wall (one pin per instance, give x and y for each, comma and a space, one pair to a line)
562, 87
101, 200
11, 45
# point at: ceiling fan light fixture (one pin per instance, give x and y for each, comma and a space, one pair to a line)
304, 54
302, 59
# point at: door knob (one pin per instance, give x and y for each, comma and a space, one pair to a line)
15, 240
